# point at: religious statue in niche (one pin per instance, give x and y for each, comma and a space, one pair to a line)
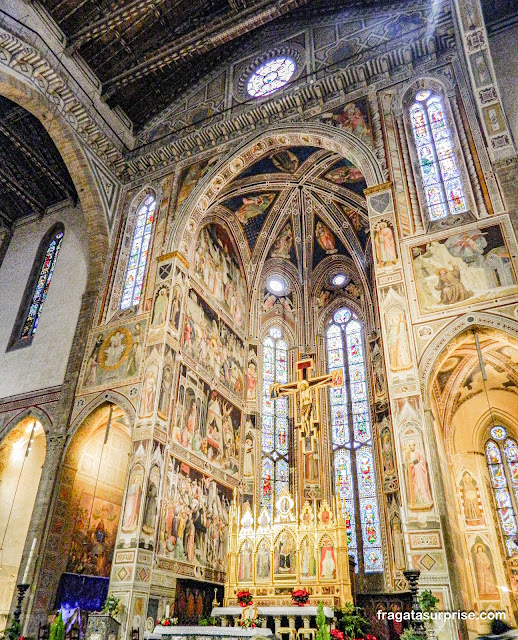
308, 563
398, 543
387, 454
248, 454
385, 244
325, 238
285, 556
253, 206
160, 307
251, 380
147, 399
471, 501
133, 500
397, 339
485, 572
151, 502
284, 243
327, 561
263, 563
418, 480
246, 564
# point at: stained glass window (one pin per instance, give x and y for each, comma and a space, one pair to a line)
502, 461
436, 156
137, 260
275, 425
270, 76
42, 285
355, 478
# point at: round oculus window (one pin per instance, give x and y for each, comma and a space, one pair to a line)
276, 285
270, 76
339, 279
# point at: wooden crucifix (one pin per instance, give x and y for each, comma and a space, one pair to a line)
307, 416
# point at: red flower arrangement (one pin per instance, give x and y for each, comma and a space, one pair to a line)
248, 623
336, 634
244, 598
300, 597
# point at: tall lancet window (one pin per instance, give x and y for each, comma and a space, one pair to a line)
502, 460
438, 165
136, 267
275, 429
355, 479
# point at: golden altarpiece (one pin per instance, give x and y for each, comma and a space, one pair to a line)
293, 546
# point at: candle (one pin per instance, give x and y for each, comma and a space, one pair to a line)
29, 562
167, 610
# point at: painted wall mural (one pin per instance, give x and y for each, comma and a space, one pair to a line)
385, 244
465, 268
251, 211
93, 535
206, 424
484, 571
399, 354
352, 117
158, 317
213, 345
471, 501
417, 477
191, 176
217, 266
114, 355
194, 519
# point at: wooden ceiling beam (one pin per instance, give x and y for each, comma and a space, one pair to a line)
10, 182
32, 154
112, 20
204, 39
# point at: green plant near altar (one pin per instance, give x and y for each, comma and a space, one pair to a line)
428, 601
351, 621
322, 626
211, 621
12, 632
111, 606
408, 634
57, 630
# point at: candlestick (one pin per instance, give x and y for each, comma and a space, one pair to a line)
29, 562
167, 610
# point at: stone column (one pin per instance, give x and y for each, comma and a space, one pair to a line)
134, 576
40, 597
420, 508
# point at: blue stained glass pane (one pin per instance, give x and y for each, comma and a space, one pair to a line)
42, 286
132, 289
365, 471
343, 474
267, 480
497, 475
275, 426
342, 316
493, 453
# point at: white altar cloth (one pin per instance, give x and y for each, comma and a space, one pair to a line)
215, 632
307, 610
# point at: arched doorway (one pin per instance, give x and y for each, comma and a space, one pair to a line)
22, 453
91, 492
473, 396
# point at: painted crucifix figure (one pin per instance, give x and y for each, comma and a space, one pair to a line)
308, 413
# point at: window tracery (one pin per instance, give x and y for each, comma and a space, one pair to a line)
137, 261
275, 425
351, 436
438, 165
502, 461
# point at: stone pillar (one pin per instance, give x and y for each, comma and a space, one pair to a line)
420, 506
134, 574
45, 576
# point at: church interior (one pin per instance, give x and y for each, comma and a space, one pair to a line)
258, 333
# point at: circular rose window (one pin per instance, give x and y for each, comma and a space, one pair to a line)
270, 76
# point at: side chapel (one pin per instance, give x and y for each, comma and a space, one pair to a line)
258, 306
